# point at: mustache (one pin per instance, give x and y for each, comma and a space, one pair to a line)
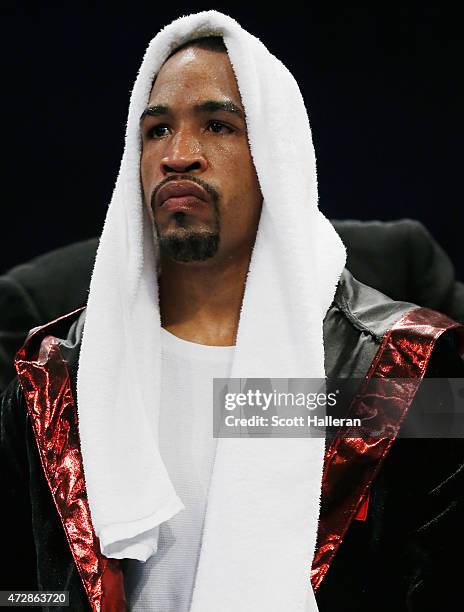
210, 190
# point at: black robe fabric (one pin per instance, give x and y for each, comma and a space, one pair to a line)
405, 557
401, 558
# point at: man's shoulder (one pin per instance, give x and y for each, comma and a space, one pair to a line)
53, 348
375, 313
366, 308
362, 322
64, 331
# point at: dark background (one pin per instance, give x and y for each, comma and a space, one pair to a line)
382, 84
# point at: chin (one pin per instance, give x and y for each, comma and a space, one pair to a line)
189, 246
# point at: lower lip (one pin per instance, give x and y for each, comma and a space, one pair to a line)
183, 203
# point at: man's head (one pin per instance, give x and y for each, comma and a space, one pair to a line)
194, 136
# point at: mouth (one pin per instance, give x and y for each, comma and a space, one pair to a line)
181, 195
183, 203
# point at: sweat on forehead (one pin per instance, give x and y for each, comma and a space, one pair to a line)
210, 43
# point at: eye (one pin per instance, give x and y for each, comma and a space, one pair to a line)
217, 127
157, 131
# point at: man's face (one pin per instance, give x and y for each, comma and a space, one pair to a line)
194, 136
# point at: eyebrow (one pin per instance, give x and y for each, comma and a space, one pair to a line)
210, 106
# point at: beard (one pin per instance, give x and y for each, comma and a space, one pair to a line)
183, 241
187, 244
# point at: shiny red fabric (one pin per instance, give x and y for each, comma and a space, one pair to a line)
361, 514
351, 463
52, 409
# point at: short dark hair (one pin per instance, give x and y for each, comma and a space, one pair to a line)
212, 43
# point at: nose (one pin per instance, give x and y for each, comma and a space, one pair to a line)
183, 154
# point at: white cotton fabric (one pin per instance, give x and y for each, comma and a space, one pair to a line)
263, 505
165, 581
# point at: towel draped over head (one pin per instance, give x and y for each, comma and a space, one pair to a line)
263, 506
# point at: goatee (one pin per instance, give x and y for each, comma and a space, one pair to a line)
189, 246
184, 243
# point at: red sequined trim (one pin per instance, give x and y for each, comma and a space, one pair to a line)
50, 403
351, 464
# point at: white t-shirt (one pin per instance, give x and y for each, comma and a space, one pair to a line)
164, 583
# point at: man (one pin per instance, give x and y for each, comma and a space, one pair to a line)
246, 271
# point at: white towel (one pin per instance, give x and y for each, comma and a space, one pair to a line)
263, 507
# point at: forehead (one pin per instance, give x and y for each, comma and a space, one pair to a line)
192, 74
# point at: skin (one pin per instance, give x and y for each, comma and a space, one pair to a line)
200, 300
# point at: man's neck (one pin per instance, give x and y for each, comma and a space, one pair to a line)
201, 301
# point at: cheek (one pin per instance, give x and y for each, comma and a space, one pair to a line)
242, 206
232, 161
246, 181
